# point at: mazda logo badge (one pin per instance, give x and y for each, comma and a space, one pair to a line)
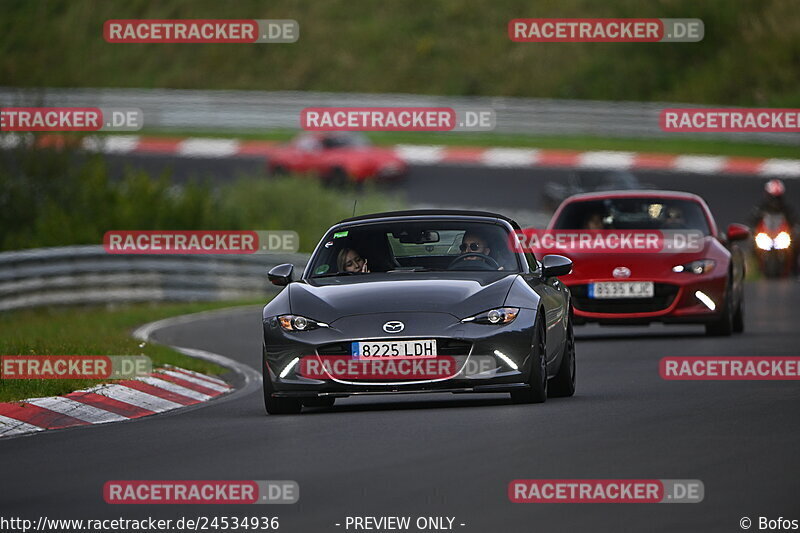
622, 272
394, 326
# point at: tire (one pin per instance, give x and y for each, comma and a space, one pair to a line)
537, 383
723, 326
277, 406
738, 316
563, 384
323, 401
279, 170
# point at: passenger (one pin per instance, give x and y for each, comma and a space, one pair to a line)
349, 260
674, 219
594, 222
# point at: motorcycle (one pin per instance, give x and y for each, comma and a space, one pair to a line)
774, 246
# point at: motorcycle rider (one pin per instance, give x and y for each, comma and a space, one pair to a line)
774, 203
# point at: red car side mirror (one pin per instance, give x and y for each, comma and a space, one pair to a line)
738, 232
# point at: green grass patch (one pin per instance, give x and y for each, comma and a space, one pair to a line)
748, 55
90, 331
57, 198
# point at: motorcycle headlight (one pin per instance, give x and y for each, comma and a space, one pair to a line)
782, 241
501, 315
763, 241
299, 323
701, 266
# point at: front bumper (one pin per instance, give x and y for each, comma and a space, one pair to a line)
462, 342
675, 301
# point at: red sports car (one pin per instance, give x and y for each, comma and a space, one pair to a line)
701, 285
337, 158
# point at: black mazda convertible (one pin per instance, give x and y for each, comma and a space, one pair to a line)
418, 302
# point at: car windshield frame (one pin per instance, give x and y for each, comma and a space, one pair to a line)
433, 221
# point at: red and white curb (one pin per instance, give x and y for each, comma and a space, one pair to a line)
441, 155
524, 158
165, 389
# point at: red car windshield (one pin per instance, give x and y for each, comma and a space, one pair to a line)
633, 213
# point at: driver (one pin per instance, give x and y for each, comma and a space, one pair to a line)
474, 243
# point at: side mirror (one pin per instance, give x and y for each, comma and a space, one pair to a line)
555, 265
281, 275
738, 232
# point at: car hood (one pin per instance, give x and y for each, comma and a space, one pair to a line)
457, 294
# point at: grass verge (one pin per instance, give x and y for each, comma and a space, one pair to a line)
90, 331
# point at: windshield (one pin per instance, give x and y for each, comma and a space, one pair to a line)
344, 140
406, 246
633, 213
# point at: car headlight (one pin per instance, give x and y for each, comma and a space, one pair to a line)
782, 241
501, 315
299, 323
763, 241
701, 266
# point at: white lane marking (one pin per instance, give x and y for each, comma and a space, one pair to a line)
509, 157
10, 140
197, 381
704, 164
419, 154
12, 426
137, 398
787, 168
199, 147
112, 144
177, 389
198, 375
81, 411
606, 159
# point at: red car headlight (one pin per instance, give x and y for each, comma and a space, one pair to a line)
701, 266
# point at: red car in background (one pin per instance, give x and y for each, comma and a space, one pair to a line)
704, 285
337, 158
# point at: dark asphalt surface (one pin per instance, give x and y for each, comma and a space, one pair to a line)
444, 455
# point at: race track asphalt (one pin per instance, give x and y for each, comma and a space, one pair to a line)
443, 455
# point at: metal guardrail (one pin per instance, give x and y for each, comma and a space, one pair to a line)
88, 274
261, 110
